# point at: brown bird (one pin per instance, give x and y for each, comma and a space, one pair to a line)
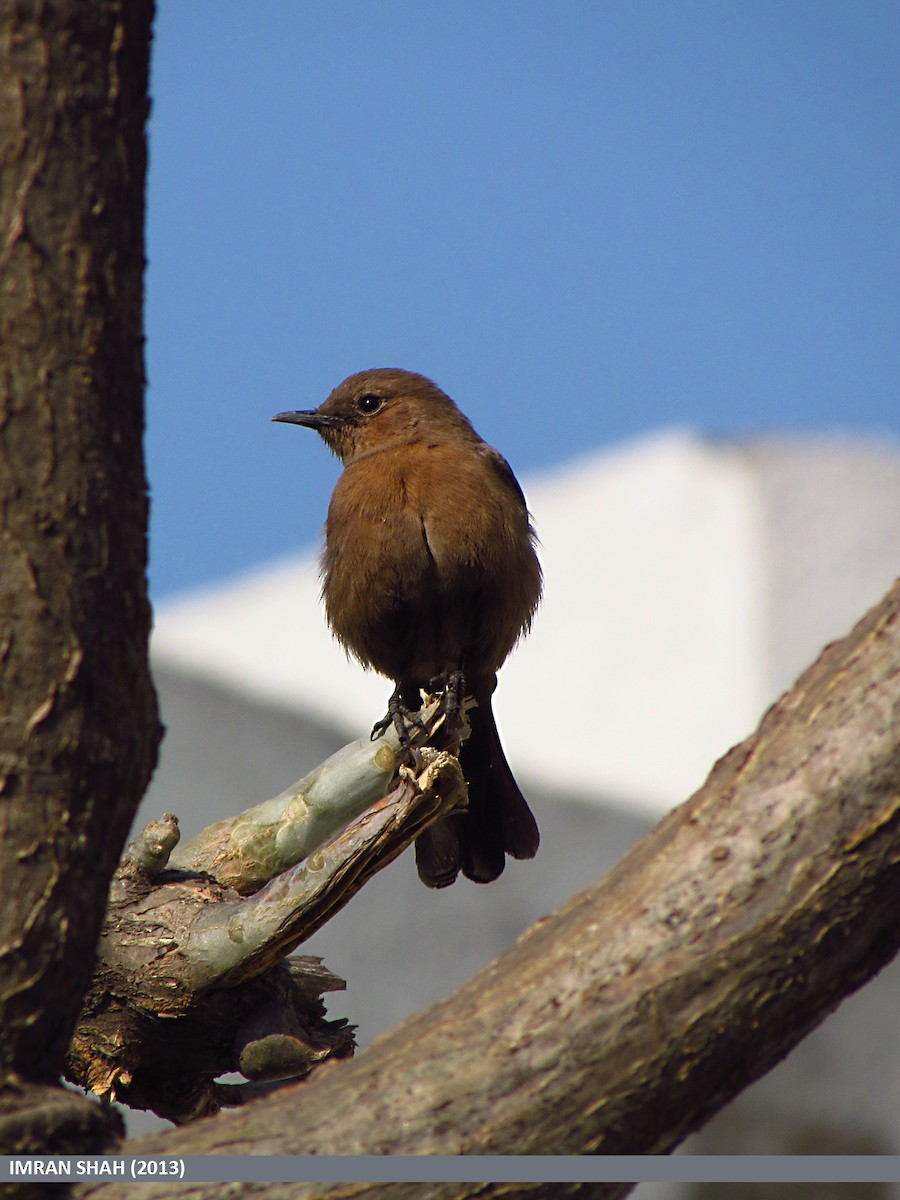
430, 574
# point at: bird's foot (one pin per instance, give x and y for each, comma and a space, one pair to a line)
403, 720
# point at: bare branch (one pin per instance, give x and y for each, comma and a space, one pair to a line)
253, 847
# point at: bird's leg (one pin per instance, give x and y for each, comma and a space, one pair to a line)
452, 684
454, 692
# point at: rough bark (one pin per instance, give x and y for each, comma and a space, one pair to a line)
79, 732
622, 1022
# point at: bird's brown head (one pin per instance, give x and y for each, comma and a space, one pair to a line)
380, 408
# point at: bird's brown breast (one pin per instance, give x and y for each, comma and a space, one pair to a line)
429, 562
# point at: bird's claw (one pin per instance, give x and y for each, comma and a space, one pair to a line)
448, 689
380, 728
403, 720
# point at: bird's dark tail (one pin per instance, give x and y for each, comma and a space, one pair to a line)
498, 820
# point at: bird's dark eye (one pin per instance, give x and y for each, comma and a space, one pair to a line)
370, 403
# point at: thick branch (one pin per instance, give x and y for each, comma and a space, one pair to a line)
624, 1021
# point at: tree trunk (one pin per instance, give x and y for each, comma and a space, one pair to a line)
621, 1023
80, 731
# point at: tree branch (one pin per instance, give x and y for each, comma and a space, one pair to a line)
621, 1023
190, 982
251, 848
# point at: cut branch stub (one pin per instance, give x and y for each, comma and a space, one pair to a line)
182, 945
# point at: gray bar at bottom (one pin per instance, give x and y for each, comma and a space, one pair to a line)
714, 1168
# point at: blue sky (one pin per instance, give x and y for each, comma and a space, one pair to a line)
584, 220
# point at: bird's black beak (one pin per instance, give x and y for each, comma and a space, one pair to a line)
310, 417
